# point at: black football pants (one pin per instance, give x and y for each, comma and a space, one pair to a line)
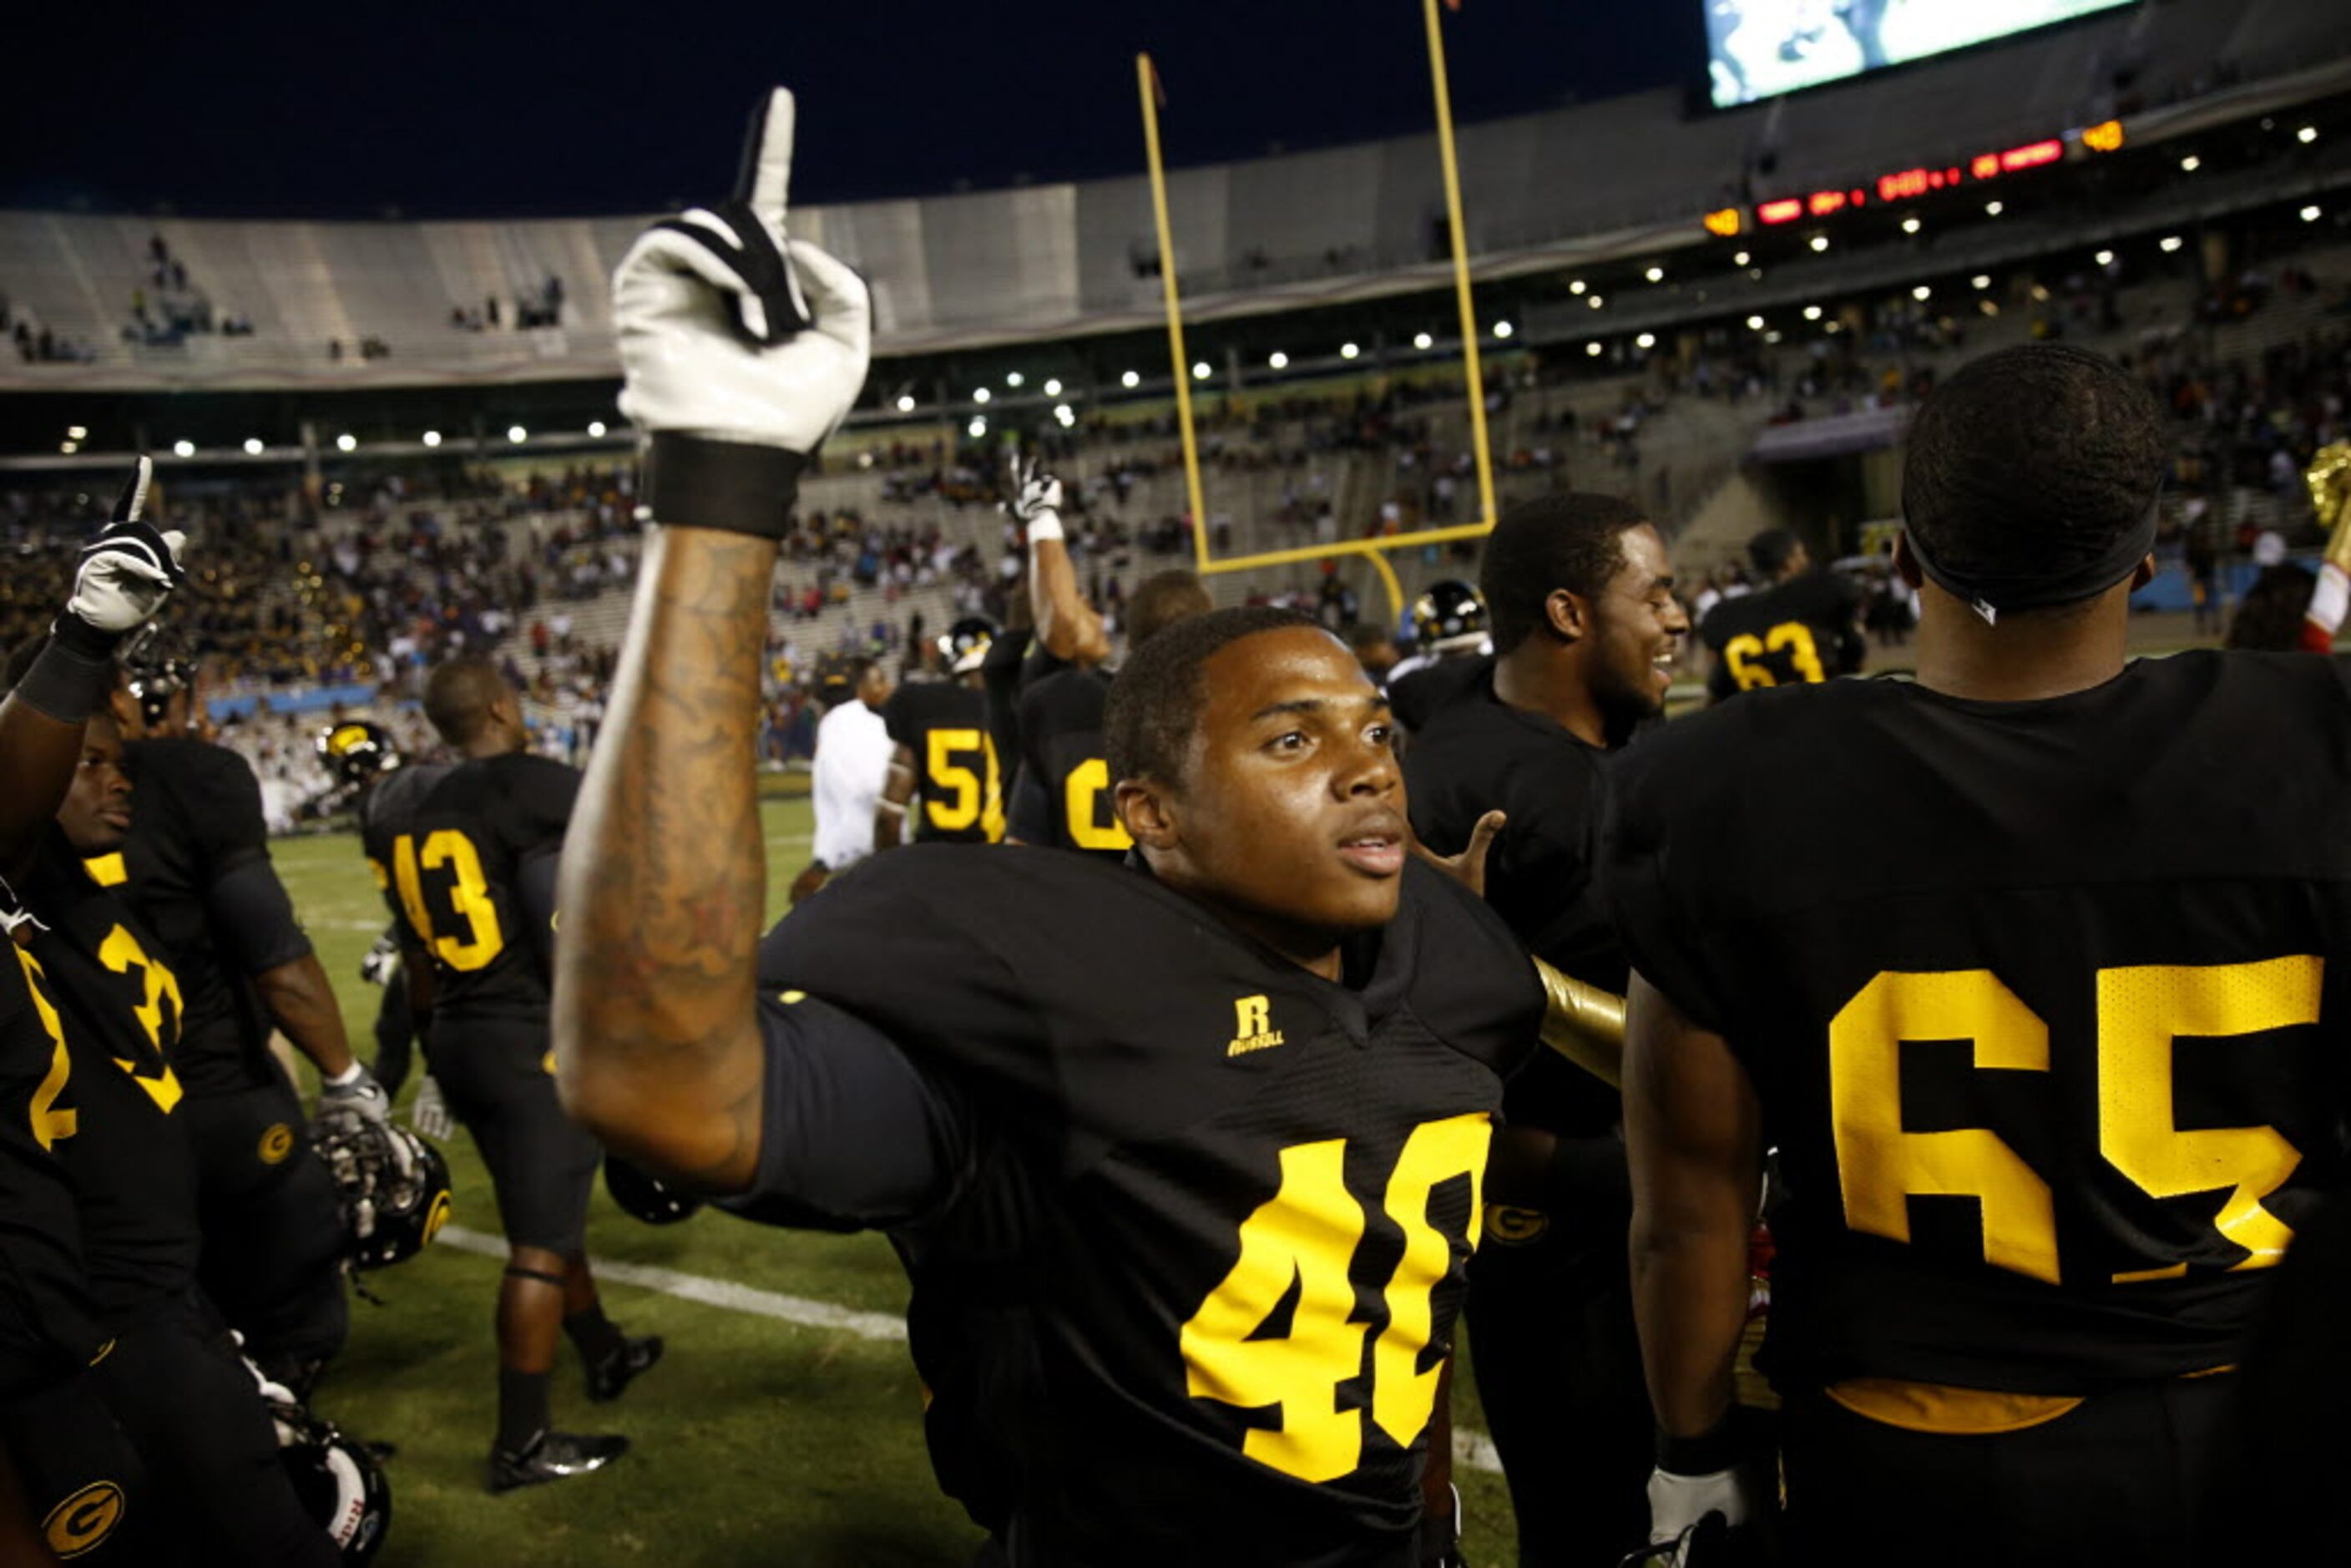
1550, 1319
88, 1493
273, 1228
2118, 1479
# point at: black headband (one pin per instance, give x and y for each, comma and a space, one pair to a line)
1989, 594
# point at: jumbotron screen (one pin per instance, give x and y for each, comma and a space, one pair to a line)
1761, 48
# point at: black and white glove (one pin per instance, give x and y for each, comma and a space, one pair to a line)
123, 576
380, 967
429, 1113
742, 349
356, 1089
1036, 500
1719, 1474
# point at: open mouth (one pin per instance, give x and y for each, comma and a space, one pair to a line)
1375, 851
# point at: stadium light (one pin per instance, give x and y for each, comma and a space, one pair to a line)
1656, 275
518, 434
1922, 293
1755, 323
1740, 260
1053, 386
2170, 243
2311, 214
978, 427
1819, 242
596, 427
1812, 312
347, 442
1645, 340
1993, 209
183, 449
1503, 329
1593, 349
68, 447
1129, 380
1981, 280
1423, 341
76, 433
981, 394
905, 403
1576, 286
2306, 135
2189, 165
1012, 378
253, 446
1348, 350
2105, 258
1065, 413
1201, 371
1909, 226
1278, 360
432, 438
1595, 302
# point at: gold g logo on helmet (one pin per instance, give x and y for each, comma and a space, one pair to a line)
438, 1216
84, 1520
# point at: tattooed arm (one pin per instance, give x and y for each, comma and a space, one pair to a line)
664, 874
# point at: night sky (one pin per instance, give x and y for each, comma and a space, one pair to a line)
341, 108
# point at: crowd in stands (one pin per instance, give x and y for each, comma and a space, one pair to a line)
168, 308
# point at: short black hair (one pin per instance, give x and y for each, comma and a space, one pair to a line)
458, 696
1154, 704
1571, 541
2033, 462
1771, 551
1162, 599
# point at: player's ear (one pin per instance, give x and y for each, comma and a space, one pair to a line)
1569, 615
1146, 808
1906, 564
2143, 574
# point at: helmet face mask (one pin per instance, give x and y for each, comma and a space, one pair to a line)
963, 645
1450, 617
394, 1187
356, 751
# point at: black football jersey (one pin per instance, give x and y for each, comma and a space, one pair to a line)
2044, 1002
1189, 1298
1417, 696
195, 818
1000, 671
959, 791
448, 843
1478, 754
129, 1158
1071, 806
47, 1323
1798, 633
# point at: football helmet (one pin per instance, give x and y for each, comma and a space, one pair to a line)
340, 1484
964, 644
393, 1186
1450, 617
155, 669
646, 1197
356, 751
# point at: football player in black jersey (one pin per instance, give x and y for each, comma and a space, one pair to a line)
1184, 1157
944, 773
196, 869
171, 1383
1586, 630
2055, 1067
356, 753
466, 853
1802, 628
1064, 798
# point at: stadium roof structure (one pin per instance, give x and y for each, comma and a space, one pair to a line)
1631, 176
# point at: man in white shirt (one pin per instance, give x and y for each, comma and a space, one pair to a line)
853, 762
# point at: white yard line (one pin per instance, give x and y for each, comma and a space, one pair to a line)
1472, 1449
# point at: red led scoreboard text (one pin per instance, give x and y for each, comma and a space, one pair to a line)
1905, 184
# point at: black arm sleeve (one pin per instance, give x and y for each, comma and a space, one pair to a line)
852, 1133
253, 918
535, 890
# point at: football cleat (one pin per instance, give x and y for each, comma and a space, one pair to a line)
964, 644
392, 1186
1450, 616
645, 1196
552, 1456
608, 1377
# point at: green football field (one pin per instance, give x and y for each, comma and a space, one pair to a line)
757, 1440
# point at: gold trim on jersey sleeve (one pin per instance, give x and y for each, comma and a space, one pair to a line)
1584, 1023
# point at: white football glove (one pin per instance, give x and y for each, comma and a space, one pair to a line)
1677, 1502
127, 571
429, 1113
1036, 502
742, 349
358, 1093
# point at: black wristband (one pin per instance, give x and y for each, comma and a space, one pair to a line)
1719, 1447
700, 483
69, 682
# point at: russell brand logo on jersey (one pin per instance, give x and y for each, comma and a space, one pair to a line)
1252, 1026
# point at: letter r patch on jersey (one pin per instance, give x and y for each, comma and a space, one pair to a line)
1252, 1026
